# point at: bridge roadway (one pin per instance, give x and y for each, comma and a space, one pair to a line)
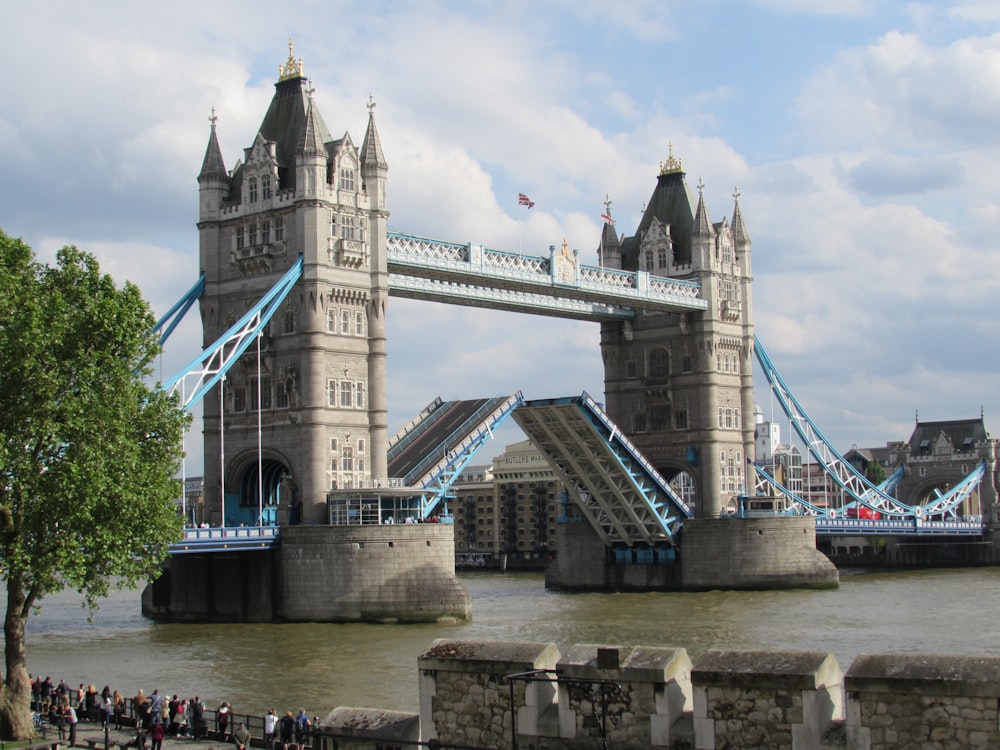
557, 286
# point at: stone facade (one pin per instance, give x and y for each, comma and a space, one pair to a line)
681, 384
754, 553
319, 379
640, 697
371, 573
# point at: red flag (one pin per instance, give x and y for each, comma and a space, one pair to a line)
608, 219
524, 200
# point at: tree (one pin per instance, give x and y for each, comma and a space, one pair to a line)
88, 450
875, 472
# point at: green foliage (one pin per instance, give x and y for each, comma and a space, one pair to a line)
875, 472
88, 450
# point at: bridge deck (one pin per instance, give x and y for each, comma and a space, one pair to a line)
619, 492
443, 426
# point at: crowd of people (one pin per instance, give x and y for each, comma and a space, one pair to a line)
158, 715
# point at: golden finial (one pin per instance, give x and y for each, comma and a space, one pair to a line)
672, 164
292, 67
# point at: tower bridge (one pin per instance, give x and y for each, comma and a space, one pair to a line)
297, 266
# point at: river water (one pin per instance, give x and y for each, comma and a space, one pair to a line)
322, 666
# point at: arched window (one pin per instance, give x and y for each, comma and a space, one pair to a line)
659, 363
252, 189
265, 186
649, 261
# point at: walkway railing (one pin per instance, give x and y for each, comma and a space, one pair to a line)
226, 538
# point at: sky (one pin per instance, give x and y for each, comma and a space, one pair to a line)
862, 134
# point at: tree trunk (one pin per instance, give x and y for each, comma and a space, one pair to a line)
15, 691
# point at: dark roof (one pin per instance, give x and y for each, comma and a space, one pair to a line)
961, 432
371, 146
213, 165
285, 124
671, 203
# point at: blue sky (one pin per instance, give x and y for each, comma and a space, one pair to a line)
863, 135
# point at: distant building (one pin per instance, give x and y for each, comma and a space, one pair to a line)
506, 513
937, 456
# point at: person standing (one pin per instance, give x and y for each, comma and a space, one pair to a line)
69, 713
241, 737
118, 702
198, 728
301, 726
156, 735
222, 715
107, 706
287, 727
270, 725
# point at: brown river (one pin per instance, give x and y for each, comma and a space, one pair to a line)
321, 666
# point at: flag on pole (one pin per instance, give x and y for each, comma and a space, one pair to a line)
608, 219
524, 200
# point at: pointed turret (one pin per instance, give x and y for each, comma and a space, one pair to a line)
311, 140
740, 234
702, 223
609, 253
213, 166
371, 147
213, 180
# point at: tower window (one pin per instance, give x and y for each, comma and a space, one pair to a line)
347, 227
659, 363
265, 186
240, 238
359, 324
346, 394
265, 232
345, 327
289, 322
252, 235
252, 189
331, 320
347, 179
279, 229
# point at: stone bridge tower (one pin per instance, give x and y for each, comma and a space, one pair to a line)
320, 377
681, 384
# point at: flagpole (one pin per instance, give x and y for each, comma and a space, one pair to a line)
519, 224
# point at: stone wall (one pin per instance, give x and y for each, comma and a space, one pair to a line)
641, 697
911, 700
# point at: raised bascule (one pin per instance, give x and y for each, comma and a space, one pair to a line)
319, 515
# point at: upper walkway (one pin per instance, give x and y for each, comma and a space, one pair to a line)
557, 286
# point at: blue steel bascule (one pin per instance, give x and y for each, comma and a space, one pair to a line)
295, 238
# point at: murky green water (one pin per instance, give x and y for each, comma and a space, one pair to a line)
319, 666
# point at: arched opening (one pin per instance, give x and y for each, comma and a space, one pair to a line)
262, 489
